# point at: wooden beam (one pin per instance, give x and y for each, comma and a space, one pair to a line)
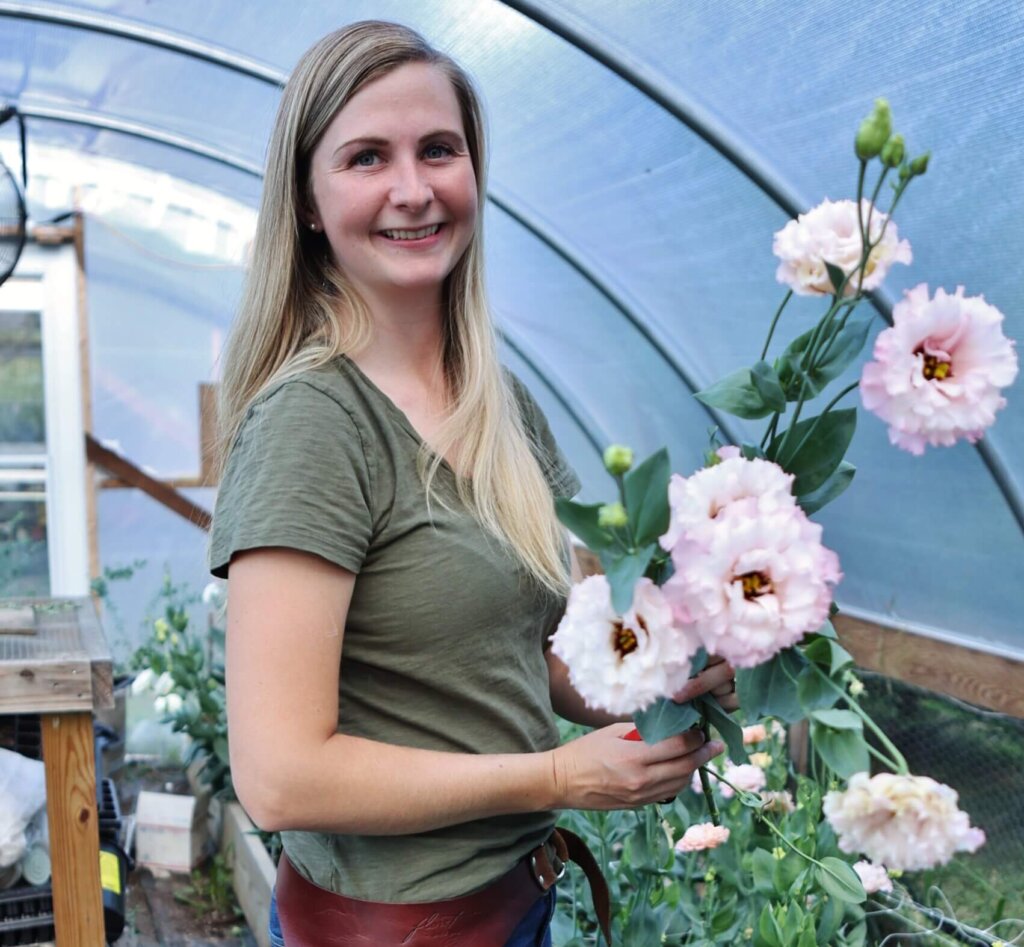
978, 677
207, 434
124, 470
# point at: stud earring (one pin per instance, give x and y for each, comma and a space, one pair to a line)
312, 227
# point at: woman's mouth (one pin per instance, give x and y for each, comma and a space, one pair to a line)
421, 234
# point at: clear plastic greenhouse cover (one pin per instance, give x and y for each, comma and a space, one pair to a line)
642, 155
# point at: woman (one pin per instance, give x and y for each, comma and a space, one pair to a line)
386, 513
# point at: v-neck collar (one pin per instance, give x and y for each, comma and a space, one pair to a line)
397, 414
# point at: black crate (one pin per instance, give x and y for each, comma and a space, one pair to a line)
26, 915
110, 818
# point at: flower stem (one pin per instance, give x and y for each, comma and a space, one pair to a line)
771, 329
705, 781
901, 764
818, 419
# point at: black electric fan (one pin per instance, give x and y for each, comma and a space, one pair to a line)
12, 204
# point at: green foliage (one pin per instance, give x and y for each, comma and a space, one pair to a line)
210, 891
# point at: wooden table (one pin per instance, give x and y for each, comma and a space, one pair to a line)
63, 672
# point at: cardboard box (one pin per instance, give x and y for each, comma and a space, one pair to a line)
171, 831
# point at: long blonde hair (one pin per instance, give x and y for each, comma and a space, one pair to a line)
298, 311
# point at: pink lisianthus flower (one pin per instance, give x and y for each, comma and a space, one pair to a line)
873, 877
725, 791
937, 373
622, 663
756, 585
699, 502
906, 822
831, 233
755, 733
702, 836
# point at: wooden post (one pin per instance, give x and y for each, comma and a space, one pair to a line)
72, 813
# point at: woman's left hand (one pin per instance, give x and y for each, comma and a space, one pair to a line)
718, 679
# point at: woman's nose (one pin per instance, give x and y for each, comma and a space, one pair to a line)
410, 187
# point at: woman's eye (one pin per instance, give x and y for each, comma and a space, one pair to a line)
365, 159
436, 151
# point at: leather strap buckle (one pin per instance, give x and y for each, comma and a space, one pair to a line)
547, 868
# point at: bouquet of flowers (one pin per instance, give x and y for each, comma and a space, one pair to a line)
727, 561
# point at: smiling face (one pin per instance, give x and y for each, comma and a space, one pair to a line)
393, 186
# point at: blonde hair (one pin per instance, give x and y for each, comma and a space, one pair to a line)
298, 311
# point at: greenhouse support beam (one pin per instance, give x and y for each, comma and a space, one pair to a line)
661, 89
595, 435
628, 308
143, 33
144, 132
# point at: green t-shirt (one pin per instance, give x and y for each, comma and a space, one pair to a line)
443, 645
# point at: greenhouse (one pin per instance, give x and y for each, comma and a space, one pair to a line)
754, 270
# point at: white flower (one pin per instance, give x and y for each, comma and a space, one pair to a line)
759, 584
705, 499
937, 373
745, 776
781, 801
873, 877
214, 594
831, 233
168, 704
164, 684
905, 822
143, 681
622, 664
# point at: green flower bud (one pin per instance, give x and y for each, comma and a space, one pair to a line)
161, 628
618, 459
175, 640
180, 620
892, 152
612, 515
874, 131
920, 164
778, 853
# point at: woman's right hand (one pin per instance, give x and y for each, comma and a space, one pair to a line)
602, 770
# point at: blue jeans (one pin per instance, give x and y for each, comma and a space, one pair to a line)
534, 929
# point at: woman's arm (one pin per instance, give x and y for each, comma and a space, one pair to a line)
292, 770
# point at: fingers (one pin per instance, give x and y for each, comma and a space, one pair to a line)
718, 678
669, 778
682, 744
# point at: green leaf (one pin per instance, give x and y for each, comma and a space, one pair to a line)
646, 492
807, 938
731, 732
829, 920
768, 928
623, 572
220, 748
833, 487
751, 451
764, 379
581, 519
665, 718
839, 719
821, 454
844, 348
840, 880
736, 394
837, 276
762, 867
828, 653
769, 690
844, 751
814, 693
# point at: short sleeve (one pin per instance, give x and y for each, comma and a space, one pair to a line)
557, 470
297, 476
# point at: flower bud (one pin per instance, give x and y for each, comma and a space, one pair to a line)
612, 515
892, 152
920, 164
618, 459
180, 620
874, 131
778, 853
175, 640
161, 628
